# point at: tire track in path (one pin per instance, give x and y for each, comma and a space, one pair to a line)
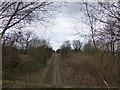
53, 74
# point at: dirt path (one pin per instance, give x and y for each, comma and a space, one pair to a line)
53, 74
57, 76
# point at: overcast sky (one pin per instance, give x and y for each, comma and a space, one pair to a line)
64, 26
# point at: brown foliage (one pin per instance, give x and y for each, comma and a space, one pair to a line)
25, 57
85, 70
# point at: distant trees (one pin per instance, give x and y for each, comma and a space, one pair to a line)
36, 42
89, 48
77, 45
29, 35
65, 48
40, 50
18, 39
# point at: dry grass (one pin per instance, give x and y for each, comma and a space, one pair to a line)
85, 70
25, 57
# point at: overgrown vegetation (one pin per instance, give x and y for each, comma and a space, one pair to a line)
94, 63
23, 53
19, 63
90, 69
98, 62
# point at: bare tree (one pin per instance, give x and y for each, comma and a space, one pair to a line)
18, 39
108, 15
19, 14
37, 42
91, 23
103, 18
28, 37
